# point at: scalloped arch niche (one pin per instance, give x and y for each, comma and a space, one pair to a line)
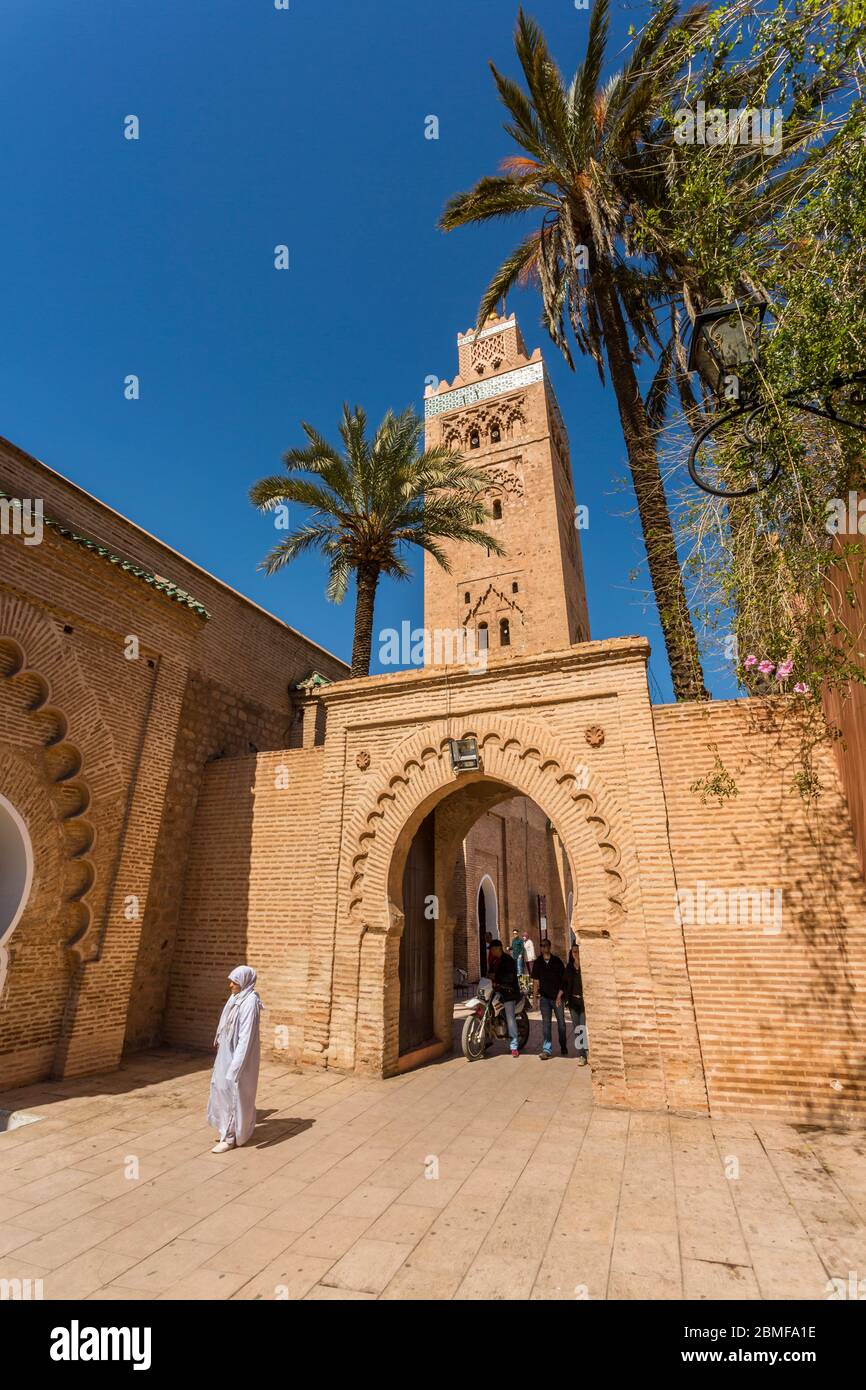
16, 876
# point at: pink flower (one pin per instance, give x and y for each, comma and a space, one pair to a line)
784, 669
750, 661
801, 688
766, 668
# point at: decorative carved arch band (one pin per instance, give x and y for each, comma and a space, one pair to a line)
517, 757
523, 755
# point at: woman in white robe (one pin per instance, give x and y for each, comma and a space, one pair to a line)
232, 1104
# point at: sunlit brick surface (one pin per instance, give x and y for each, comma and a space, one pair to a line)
105, 756
494, 1180
189, 809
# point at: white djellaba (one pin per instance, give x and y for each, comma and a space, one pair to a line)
232, 1103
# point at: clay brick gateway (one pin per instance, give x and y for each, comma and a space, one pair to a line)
634, 1063
226, 792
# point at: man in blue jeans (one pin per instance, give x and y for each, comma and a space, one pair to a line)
504, 981
548, 978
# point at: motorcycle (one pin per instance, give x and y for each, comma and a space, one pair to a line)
485, 1024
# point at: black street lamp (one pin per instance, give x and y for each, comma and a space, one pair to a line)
725, 339
725, 342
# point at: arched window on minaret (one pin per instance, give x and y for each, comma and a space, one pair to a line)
483, 637
474, 439
504, 632
495, 434
497, 510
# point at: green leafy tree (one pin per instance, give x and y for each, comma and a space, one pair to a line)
700, 204
782, 571
368, 502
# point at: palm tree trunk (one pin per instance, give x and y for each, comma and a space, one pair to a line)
367, 578
664, 567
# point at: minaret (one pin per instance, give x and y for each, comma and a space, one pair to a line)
500, 412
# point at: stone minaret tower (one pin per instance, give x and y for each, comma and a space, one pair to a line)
501, 413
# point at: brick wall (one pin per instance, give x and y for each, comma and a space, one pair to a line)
241, 645
848, 595
214, 723
38, 974
247, 896
779, 1000
537, 715
105, 754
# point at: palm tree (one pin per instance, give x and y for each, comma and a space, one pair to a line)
580, 169
369, 502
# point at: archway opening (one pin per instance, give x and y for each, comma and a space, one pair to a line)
481, 860
16, 875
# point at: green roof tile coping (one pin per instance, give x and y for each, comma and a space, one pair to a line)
314, 681
156, 581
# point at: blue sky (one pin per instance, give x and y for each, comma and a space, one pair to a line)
260, 127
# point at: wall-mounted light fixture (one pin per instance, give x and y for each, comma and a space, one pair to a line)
464, 754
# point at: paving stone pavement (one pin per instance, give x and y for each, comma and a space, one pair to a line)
495, 1179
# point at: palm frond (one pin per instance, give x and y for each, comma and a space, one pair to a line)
290, 547
513, 268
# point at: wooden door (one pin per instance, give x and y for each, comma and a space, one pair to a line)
417, 943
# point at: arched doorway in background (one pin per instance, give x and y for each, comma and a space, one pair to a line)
488, 918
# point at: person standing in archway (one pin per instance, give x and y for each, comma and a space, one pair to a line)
517, 951
572, 993
548, 975
232, 1102
504, 981
529, 958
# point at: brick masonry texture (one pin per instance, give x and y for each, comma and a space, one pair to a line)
188, 811
763, 1020
849, 715
104, 757
779, 993
248, 896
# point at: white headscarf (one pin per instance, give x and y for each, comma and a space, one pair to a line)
230, 1019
